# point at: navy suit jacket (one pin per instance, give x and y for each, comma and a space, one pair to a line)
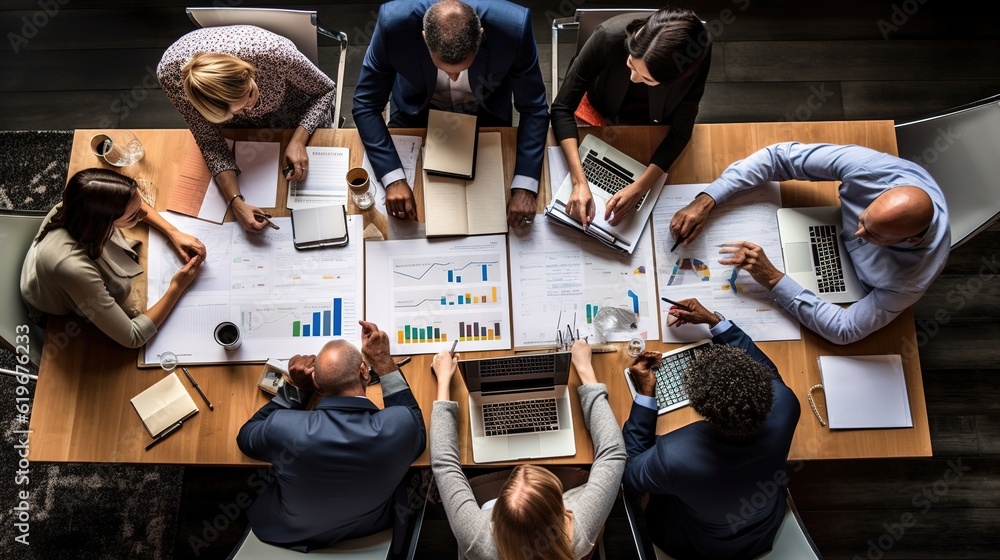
712, 497
506, 65
336, 467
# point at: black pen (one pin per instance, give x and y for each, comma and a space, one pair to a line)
453, 346
164, 435
679, 306
677, 243
266, 218
198, 387
403, 362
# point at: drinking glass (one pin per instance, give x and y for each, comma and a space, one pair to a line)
119, 148
360, 185
168, 361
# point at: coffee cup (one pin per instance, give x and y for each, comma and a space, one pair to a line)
227, 334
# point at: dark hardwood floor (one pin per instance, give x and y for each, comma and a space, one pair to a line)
92, 64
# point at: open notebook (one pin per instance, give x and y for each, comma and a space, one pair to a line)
164, 404
459, 207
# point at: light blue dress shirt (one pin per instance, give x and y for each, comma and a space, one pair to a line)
894, 275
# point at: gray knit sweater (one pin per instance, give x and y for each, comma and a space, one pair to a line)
590, 502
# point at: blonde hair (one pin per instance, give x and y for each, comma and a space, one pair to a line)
212, 81
529, 518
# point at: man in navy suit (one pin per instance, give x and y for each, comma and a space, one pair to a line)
717, 486
453, 56
336, 468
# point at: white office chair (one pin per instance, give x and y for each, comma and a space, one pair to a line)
301, 27
373, 547
16, 233
792, 542
960, 149
584, 22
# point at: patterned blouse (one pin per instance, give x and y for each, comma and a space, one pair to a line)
293, 92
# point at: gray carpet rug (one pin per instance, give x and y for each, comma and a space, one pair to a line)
72, 511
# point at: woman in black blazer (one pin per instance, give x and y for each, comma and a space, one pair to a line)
634, 71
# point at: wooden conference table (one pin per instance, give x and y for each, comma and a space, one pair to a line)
82, 410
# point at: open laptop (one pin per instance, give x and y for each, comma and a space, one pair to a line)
815, 255
519, 407
608, 171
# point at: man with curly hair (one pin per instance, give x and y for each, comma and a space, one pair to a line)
716, 487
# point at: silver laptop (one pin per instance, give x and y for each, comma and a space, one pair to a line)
608, 171
815, 256
519, 407
671, 393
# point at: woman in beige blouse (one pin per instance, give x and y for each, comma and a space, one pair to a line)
241, 76
81, 263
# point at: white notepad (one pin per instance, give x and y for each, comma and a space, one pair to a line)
865, 391
164, 404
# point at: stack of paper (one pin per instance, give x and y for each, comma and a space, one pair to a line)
865, 391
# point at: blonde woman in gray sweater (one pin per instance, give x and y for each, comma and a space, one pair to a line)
532, 514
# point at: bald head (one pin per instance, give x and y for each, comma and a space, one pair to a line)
898, 214
452, 31
339, 369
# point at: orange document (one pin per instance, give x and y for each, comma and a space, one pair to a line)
188, 194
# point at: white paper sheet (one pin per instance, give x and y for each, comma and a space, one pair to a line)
441, 290
326, 182
408, 148
264, 285
258, 178
693, 271
865, 391
561, 276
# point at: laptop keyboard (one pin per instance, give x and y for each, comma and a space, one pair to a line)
518, 364
669, 386
600, 174
826, 259
520, 417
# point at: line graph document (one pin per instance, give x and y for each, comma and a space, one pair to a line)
428, 293
693, 271
561, 276
285, 301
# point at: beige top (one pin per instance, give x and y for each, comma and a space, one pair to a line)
58, 278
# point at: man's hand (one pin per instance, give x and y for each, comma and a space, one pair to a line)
375, 348
751, 258
582, 361
521, 208
642, 375
622, 204
399, 201
301, 372
690, 220
699, 314
581, 204
443, 367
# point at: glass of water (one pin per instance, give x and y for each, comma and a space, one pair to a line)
168, 361
119, 148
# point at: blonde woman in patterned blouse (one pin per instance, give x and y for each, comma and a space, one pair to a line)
242, 76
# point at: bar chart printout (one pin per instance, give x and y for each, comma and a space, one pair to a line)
436, 292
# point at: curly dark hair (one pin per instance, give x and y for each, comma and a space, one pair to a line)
451, 31
730, 389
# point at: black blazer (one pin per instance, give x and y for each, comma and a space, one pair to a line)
599, 70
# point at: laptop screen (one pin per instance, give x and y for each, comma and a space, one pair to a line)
516, 373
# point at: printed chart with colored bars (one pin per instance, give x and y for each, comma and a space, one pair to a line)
431, 293
693, 270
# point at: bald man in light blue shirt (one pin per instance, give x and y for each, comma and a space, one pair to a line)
894, 226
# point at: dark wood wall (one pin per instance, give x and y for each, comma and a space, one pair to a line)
81, 63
